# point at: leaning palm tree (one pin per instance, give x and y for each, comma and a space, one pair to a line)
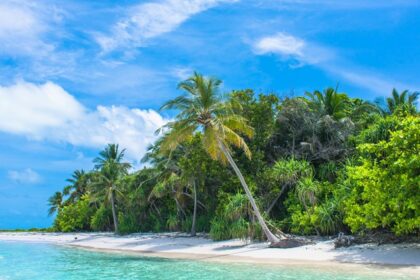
404, 100
55, 202
110, 168
202, 109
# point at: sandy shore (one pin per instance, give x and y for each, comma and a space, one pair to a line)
402, 258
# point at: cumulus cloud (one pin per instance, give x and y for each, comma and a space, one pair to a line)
48, 112
149, 20
27, 108
26, 176
133, 129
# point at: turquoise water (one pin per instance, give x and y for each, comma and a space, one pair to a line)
21, 261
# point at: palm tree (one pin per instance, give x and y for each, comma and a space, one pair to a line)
55, 202
329, 102
202, 109
79, 182
404, 100
172, 180
111, 168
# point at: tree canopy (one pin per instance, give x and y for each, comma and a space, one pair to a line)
254, 165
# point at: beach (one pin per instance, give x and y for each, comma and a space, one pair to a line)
398, 258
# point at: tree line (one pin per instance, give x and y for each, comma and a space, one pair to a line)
247, 165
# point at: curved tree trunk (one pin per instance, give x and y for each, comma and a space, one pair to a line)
114, 213
270, 236
194, 217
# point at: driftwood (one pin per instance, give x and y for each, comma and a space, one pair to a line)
290, 243
343, 240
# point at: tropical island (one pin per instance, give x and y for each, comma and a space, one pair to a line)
209, 139
246, 168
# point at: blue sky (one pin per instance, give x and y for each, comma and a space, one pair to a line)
76, 75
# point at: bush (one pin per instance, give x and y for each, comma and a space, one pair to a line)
234, 219
385, 189
314, 208
100, 221
127, 223
74, 217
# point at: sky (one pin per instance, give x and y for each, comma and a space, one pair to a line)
76, 75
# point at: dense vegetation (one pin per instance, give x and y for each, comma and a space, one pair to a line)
247, 165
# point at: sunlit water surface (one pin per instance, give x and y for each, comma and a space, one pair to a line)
21, 261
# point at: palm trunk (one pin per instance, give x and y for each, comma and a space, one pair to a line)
114, 214
194, 217
270, 236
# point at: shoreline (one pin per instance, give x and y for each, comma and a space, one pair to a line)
400, 259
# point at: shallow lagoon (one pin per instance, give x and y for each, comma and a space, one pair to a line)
22, 261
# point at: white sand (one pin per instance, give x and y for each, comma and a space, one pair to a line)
404, 258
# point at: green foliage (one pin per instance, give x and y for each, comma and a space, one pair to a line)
172, 222
321, 164
101, 219
234, 219
74, 217
290, 171
329, 102
327, 217
314, 208
402, 103
385, 183
127, 223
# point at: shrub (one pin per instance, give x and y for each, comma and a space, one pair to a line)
385, 189
127, 223
234, 219
100, 221
74, 217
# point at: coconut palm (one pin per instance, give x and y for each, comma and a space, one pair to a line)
202, 109
404, 100
55, 202
110, 168
329, 102
78, 186
172, 180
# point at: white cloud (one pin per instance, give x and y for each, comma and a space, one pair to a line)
281, 43
289, 47
152, 19
27, 108
132, 129
21, 30
9, 23
26, 176
48, 112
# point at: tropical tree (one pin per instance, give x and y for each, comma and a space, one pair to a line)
303, 133
329, 102
405, 101
79, 182
202, 109
55, 202
110, 168
177, 176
